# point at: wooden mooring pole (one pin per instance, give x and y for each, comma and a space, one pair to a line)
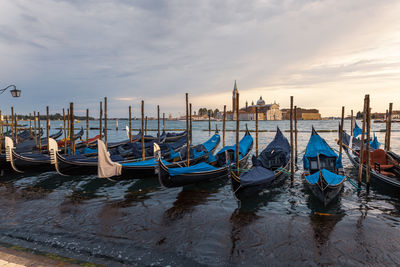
291, 141
367, 173
341, 132
142, 137
65, 133
386, 128
389, 130
187, 131
47, 127
71, 134
87, 127
12, 122
130, 124
101, 120
105, 122
256, 131
34, 123
295, 135
30, 125
224, 126
40, 134
237, 134
158, 123
190, 122
361, 157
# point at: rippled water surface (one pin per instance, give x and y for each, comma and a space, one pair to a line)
138, 222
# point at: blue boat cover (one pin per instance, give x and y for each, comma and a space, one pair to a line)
212, 142
144, 163
244, 145
173, 154
258, 175
276, 154
317, 146
201, 167
211, 158
331, 178
357, 130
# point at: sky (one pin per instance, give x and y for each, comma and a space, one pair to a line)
325, 53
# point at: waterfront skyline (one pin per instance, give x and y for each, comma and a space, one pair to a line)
324, 53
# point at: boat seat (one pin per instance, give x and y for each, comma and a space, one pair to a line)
378, 156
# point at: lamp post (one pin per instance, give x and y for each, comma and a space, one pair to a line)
14, 92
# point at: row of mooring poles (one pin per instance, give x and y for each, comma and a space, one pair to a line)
365, 149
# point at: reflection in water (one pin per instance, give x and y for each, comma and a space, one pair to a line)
239, 220
189, 198
323, 225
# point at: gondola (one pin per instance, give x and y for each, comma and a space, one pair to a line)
22, 161
180, 176
77, 136
385, 166
146, 168
323, 169
268, 168
87, 161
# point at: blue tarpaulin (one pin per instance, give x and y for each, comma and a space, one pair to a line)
258, 175
212, 142
244, 145
201, 167
144, 163
317, 146
331, 178
374, 143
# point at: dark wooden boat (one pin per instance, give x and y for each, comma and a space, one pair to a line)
202, 172
29, 161
323, 171
385, 166
269, 168
87, 163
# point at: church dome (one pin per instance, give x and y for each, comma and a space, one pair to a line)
260, 102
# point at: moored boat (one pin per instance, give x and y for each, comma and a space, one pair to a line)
323, 171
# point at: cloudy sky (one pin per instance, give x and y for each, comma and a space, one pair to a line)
326, 53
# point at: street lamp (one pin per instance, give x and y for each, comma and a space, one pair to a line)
14, 92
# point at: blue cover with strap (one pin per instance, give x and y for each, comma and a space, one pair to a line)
244, 145
258, 175
317, 146
201, 167
212, 142
331, 178
144, 163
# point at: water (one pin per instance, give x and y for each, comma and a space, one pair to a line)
137, 222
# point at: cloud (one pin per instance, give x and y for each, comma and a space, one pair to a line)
81, 51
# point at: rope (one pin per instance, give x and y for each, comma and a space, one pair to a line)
280, 169
353, 183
